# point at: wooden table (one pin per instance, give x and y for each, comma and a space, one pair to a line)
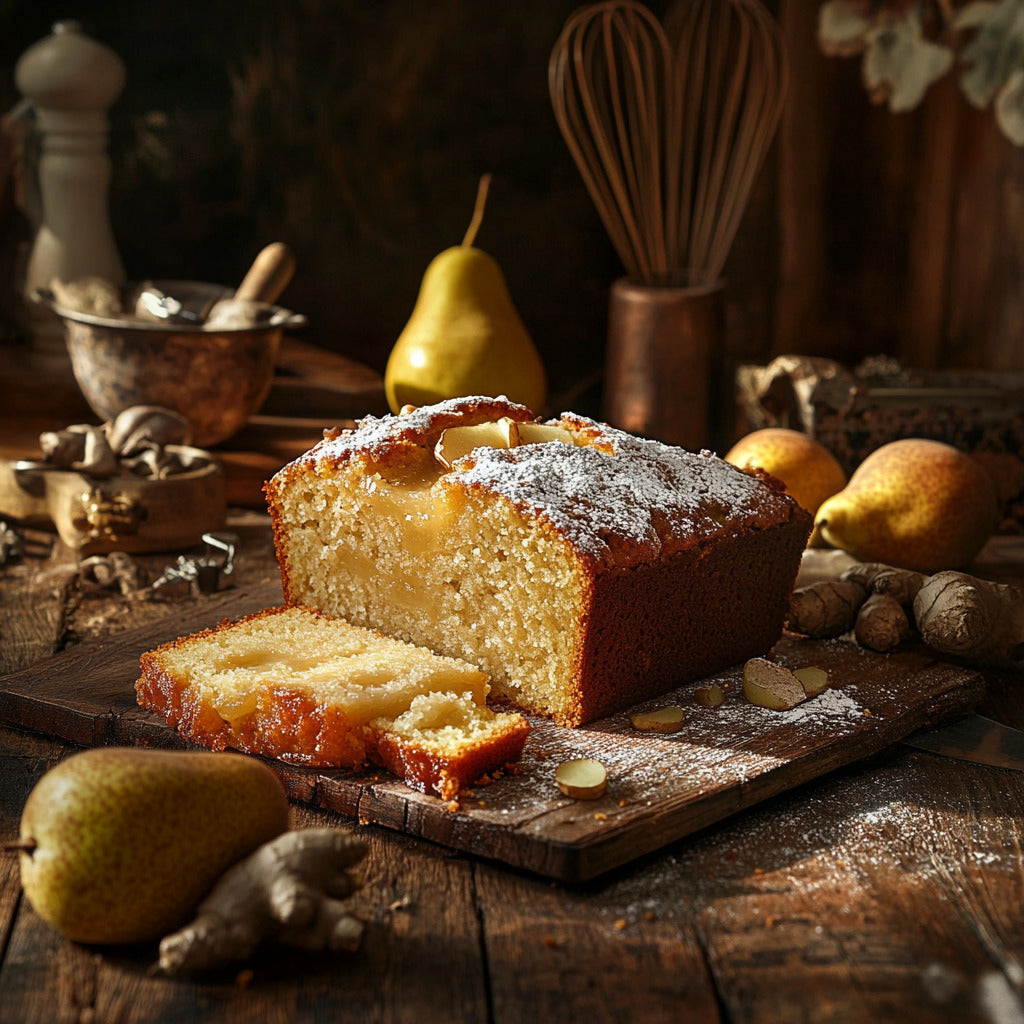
889, 890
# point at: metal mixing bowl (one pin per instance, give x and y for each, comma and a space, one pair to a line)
217, 377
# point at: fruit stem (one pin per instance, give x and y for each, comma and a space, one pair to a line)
478, 210
18, 846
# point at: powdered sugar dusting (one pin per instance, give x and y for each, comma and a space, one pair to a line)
610, 489
421, 426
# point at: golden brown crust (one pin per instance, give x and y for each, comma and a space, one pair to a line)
427, 772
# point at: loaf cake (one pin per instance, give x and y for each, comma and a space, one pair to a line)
293, 684
582, 568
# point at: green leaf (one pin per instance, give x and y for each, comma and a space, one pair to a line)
973, 15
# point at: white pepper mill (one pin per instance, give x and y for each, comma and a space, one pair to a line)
70, 81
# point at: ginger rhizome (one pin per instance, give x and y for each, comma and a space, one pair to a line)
953, 613
291, 889
971, 618
827, 608
881, 623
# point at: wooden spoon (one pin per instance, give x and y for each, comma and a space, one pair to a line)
269, 274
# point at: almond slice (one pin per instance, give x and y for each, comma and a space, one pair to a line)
455, 442
773, 686
813, 679
668, 719
583, 778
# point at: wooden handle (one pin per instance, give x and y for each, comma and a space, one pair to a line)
269, 274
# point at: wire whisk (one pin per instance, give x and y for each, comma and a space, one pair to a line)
669, 125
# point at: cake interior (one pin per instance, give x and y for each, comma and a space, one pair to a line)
368, 675
441, 566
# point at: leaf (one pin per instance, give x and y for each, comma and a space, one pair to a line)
899, 63
1009, 108
994, 53
842, 27
973, 15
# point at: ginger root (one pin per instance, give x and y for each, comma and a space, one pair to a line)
899, 584
970, 618
881, 623
290, 889
955, 614
827, 608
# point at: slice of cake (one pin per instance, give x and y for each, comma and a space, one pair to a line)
293, 684
583, 569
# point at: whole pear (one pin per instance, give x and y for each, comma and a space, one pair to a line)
810, 472
464, 336
121, 844
913, 503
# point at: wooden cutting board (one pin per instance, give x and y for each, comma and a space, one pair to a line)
661, 787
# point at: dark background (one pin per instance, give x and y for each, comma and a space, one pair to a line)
357, 132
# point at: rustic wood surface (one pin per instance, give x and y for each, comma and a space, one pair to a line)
889, 889
662, 787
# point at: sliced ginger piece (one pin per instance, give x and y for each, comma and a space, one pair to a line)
711, 696
668, 719
813, 679
773, 686
582, 778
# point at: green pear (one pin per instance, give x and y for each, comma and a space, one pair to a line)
913, 503
120, 845
464, 336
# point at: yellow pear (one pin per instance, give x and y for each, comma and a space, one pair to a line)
913, 503
809, 470
464, 336
120, 845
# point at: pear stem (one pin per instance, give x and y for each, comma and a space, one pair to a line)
478, 210
19, 846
